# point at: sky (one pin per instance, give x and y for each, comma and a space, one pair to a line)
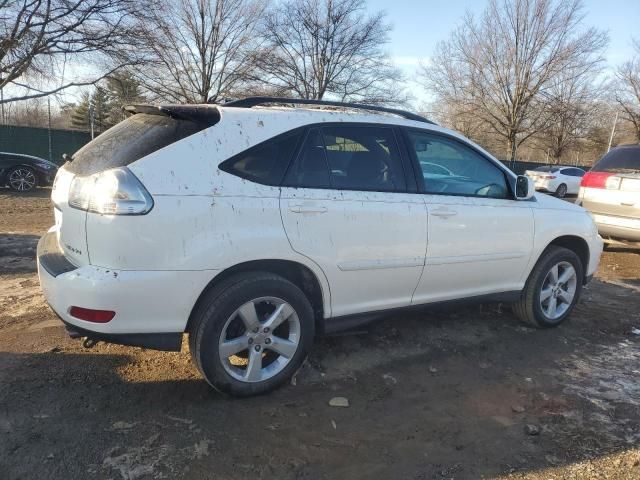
418, 25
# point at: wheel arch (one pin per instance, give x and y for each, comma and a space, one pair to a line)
577, 245
297, 273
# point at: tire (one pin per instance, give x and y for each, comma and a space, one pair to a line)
22, 179
533, 308
224, 323
561, 191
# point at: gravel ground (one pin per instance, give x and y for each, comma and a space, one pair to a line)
466, 393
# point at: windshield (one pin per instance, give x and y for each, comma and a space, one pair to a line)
130, 140
621, 159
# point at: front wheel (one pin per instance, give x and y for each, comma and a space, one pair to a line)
251, 333
552, 290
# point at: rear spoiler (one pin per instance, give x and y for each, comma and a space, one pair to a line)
207, 115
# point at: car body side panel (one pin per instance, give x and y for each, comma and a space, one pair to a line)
371, 245
195, 233
481, 249
555, 218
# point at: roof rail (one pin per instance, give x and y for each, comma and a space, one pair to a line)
255, 101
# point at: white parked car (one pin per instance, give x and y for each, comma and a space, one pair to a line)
253, 228
560, 181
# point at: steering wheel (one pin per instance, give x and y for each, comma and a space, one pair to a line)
493, 190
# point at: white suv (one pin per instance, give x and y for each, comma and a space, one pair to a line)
252, 228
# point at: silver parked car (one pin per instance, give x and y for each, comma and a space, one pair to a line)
611, 192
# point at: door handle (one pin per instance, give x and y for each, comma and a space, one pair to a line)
307, 209
444, 213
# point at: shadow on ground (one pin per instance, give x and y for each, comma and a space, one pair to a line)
18, 252
434, 395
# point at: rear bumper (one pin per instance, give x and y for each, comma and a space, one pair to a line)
617, 227
152, 307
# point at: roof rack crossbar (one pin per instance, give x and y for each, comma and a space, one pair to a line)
255, 101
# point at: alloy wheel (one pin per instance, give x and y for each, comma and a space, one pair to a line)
558, 290
22, 179
259, 339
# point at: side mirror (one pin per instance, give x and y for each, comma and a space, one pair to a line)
525, 187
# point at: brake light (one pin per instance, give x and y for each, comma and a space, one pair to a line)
90, 315
112, 192
595, 179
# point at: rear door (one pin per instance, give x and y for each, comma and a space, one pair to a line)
345, 205
480, 238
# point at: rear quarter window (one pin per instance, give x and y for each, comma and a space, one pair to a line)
130, 140
265, 163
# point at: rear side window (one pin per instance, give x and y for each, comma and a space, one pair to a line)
266, 162
130, 140
349, 158
620, 160
573, 172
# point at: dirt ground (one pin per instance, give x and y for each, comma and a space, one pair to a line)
467, 393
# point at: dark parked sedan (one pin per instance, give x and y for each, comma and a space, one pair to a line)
24, 172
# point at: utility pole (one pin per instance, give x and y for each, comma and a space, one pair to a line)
613, 131
91, 118
50, 149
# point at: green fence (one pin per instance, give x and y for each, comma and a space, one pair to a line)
41, 142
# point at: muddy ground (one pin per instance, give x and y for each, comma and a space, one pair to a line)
441, 394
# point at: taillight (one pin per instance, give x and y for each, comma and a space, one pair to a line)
595, 179
112, 192
91, 315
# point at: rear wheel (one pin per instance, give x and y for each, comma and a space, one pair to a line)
251, 333
21, 179
552, 290
561, 191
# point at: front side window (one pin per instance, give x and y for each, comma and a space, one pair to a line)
349, 158
450, 168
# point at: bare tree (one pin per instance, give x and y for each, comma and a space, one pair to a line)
328, 47
39, 37
498, 66
572, 102
198, 51
628, 90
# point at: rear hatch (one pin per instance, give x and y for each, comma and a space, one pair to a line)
146, 131
612, 186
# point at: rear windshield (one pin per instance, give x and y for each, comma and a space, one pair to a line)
130, 140
547, 169
622, 159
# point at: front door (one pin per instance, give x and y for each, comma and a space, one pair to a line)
480, 238
345, 206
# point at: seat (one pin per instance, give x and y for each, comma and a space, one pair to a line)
364, 171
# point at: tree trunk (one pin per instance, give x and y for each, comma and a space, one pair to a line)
513, 147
